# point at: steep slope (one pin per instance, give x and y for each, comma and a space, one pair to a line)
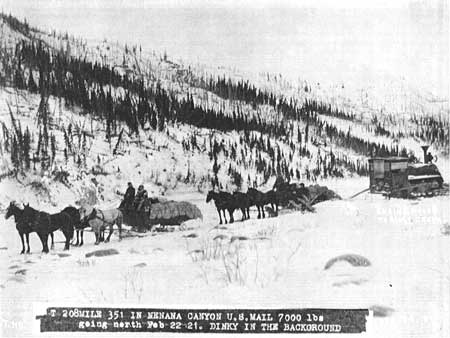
332, 139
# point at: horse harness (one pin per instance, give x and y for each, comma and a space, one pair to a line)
102, 218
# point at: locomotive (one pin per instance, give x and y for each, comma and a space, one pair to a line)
396, 177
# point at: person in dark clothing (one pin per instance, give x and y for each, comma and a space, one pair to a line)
139, 202
129, 196
141, 197
429, 158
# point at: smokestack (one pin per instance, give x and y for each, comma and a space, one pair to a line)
425, 148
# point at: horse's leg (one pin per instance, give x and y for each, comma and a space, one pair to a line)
276, 206
243, 214
119, 225
231, 211
23, 244
220, 216
248, 212
75, 237
111, 230
46, 243
224, 216
78, 237
28, 242
262, 210
259, 211
81, 236
68, 233
53, 241
97, 237
44, 239
67, 243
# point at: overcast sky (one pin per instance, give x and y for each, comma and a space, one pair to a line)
328, 40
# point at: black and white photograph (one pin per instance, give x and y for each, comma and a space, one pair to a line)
224, 168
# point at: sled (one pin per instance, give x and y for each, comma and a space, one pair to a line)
161, 213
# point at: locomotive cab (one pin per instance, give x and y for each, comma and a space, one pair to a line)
388, 174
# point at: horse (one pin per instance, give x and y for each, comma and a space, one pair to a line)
223, 201
243, 202
84, 222
257, 198
79, 230
100, 219
273, 198
260, 199
23, 228
44, 224
78, 225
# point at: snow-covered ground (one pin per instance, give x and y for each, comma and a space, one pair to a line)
281, 265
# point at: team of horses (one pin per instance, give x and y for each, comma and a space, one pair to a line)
73, 220
68, 220
226, 201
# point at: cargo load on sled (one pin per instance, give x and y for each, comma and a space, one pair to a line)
160, 212
295, 196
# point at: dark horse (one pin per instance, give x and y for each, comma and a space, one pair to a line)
243, 202
223, 201
23, 228
79, 226
260, 199
44, 224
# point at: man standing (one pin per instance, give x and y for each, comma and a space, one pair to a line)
129, 196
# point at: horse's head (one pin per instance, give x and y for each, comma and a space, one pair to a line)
210, 196
27, 210
84, 223
83, 216
28, 213
88, 214
85, 211
13, 210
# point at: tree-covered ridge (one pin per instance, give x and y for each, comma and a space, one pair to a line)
296, 140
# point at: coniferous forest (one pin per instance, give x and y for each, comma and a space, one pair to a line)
278, 142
